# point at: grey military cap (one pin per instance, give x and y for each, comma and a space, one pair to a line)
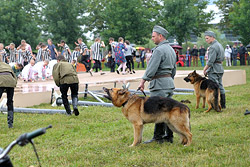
160, 30
209, 33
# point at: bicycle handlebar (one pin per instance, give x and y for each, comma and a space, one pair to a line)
23, 140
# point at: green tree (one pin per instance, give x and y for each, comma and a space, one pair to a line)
18, 21
239, 18
63, 20
226, 6
131, 19
183, 17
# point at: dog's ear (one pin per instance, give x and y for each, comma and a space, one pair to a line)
122, 91
194, 71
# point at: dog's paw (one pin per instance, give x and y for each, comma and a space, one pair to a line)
131, 145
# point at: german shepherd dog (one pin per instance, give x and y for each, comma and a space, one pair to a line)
142, 110
207, 89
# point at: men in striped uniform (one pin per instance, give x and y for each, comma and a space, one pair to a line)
3, 54
24, 56
96, 55
45, 52
13, 55
66, 50
75, 54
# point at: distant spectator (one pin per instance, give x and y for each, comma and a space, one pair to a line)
13, 55
112, 58
194, 54
234, 55
148, 56
52, 48
129, 57
202, 52
242, 51
188, 57
228, 52
3, 54
96, 55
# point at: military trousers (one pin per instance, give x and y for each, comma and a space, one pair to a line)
217, 77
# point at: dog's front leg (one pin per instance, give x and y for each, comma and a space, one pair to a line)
137, 134
204, 102
197, 101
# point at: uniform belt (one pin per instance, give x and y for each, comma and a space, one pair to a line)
5, 73
218, 62
161, 76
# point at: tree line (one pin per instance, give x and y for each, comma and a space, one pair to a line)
37, 20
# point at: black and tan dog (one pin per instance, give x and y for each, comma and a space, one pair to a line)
207, 89
142, 110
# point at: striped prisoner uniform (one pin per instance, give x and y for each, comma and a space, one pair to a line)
45, 54
12, 54
3, 55
74, 56
39, 55
24, 56
65, 52
95, 48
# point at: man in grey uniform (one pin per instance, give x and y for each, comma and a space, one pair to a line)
214, 69
160, 72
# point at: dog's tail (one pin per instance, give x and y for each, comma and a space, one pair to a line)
216, 103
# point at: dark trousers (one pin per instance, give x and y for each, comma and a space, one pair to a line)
97, 65
142, 62
130, 62
64, 91
112, 64
85, 60
195, 61
242, 60
234, 60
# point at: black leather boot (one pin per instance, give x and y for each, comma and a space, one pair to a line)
223, 100
10, 118
169, 137
67, 106
159, 132
74, 103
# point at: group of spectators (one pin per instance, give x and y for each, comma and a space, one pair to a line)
232, 54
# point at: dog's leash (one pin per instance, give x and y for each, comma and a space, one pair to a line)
139, 88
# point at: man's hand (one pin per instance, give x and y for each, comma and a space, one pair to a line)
142, 84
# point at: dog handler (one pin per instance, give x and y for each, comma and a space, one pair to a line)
8, 82
160, 73
65, 77
214, 69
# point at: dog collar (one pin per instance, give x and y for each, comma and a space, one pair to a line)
124, 103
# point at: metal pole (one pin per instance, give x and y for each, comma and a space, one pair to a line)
97, 98
85, 103
35, 110
86, 91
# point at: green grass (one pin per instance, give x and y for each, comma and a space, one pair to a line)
100, 136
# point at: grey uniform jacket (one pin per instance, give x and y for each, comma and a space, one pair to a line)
215, 58
162, 62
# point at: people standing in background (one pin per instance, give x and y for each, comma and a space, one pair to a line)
96, 55
24, 55
13, 55
8, 83
66, 50
3, 54
52, 48
148, 56
194, 54
142, 57
137, 57
234, 55
129, 57
112, 58
27, 47
242, 52
75, 54
188, 57
228, 52
202, 52
120, 56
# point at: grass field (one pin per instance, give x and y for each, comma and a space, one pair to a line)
100, 136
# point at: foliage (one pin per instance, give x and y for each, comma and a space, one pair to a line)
183, 17
239, 18
219, 37
63, 19
131, 19
226, 6
100, 136
18, 20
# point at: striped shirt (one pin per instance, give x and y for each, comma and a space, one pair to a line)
45, 54
83, 46
65, 52
39, 55
24, 56
74, 56
95, 48
13, 53
3, 55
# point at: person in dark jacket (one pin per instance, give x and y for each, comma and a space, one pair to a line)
242, 51
194, 54
65, 76
234, 55
202, 52
8, 82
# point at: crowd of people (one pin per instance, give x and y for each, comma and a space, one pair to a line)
232, 54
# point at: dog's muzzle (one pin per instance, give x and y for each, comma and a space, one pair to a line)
187, 79
108, 95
